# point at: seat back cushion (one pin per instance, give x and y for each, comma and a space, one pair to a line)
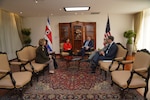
4, 64
122, 51
142, 59
27, 52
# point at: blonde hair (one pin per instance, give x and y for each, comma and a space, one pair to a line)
41, 41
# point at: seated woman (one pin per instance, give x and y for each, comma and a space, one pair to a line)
42, 57
68, 47
48, 52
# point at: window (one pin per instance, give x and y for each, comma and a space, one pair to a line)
144, 40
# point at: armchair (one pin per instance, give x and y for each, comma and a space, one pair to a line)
62, 53
132, 79
26, 56
111, 65
89, 52
12, 80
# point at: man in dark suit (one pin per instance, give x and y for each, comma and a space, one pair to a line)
87, 45
107, 54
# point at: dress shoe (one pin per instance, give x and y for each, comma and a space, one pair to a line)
92, 71
51, 72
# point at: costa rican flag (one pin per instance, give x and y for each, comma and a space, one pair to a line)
48, 36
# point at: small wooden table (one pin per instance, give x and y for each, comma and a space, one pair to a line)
76, 61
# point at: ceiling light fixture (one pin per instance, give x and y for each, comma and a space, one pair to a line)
77, 8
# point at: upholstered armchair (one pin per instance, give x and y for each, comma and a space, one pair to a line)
133, 79
89, 52
26, 56
111, 65
62, 53
12, 80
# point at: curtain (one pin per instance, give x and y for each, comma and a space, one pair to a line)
19, 22
137, 28
144, 41
9, 38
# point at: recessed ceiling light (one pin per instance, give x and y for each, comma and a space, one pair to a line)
77, 8
20, 12
36, 1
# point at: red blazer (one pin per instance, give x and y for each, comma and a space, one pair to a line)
67, 46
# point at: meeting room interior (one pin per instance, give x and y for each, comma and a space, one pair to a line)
23, 23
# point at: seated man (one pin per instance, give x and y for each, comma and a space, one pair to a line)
87, 45
108, 54
94, 52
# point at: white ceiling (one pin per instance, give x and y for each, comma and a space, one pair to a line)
52, 7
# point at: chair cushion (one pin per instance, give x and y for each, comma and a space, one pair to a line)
37, 67
64, 53
21, 78
121, 77
105, 65
6, 83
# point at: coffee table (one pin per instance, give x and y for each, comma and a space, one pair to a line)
74, 59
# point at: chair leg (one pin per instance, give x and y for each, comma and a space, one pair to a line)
122, 93
37, 77
145, 93
31, 81
105, 75
100, 71
112, 82
19, 92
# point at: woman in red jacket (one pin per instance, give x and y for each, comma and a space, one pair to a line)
68, 47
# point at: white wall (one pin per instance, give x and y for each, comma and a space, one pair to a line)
118, 24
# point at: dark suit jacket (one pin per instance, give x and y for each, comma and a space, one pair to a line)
112, 51
91, 44
41, 55
109, 56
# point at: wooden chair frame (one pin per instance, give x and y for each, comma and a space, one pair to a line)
114, 63
27, 59
11, 80
135, 71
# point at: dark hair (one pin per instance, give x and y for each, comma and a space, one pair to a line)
111, 37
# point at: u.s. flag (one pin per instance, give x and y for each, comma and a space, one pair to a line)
107, 31
48, 36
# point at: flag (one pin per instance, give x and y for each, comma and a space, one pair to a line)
107, 31
48, 36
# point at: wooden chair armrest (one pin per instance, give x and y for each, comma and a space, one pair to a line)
141, 70
3, 71
119, 59
15, 63
126, 62
24, 60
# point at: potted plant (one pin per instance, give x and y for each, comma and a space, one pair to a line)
130, 34
26, 36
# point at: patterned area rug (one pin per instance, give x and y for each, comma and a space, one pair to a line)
72, 84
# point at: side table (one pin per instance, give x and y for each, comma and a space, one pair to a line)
70, 59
